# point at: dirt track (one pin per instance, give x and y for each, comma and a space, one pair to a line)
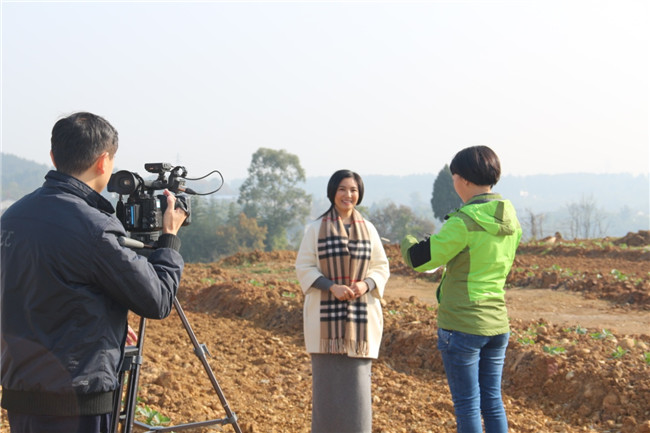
561, 374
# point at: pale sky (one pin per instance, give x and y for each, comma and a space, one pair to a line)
390, 88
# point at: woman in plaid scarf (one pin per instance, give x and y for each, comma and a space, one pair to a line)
342, 269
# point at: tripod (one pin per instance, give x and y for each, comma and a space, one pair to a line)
123, 412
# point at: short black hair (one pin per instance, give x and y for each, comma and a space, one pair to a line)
79, 139
477, 164
335, 181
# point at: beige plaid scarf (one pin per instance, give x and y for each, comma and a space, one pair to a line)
344, 258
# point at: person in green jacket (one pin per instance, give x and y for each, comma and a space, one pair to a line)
477, 243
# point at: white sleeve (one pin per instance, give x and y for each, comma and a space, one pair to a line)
307, 265
379, 269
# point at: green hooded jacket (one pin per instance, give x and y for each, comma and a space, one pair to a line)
477, 243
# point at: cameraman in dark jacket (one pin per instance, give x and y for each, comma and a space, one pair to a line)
67, 286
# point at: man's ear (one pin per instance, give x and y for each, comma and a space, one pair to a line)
102, 163
52, 158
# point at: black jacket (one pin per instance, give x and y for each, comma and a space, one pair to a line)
67, 286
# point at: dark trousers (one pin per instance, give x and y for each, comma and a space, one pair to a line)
21, 423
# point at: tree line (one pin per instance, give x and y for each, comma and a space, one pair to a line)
271, 211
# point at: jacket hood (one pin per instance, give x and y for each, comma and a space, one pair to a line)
494, 214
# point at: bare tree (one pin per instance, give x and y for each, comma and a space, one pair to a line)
534, 224
585, 219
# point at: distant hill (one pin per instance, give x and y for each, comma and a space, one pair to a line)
20, 176
623, 199
539, 193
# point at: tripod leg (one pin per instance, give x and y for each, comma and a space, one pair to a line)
130, 368
199, 350
133, 361
117, 401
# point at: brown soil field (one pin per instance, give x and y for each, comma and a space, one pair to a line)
578, 358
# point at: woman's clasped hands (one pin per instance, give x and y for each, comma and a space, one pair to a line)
349, 293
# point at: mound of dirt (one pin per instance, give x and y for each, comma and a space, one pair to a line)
638, 239
600, 269
559, 376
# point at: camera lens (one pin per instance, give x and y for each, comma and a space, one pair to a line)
123, 182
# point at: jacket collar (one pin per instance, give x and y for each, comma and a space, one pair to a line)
483, 198
76, 187
477, 199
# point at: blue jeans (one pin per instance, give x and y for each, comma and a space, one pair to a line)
473, 364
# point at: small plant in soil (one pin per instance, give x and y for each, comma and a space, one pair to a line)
602, 335
554, 350
619, 352
577, 329
620, 276
526, 341
151, 417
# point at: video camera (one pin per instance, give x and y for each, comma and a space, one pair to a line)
143, 210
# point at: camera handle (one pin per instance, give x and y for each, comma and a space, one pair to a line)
125, 413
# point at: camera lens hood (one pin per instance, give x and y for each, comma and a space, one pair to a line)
123, 182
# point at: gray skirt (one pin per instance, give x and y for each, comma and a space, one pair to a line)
341, 394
